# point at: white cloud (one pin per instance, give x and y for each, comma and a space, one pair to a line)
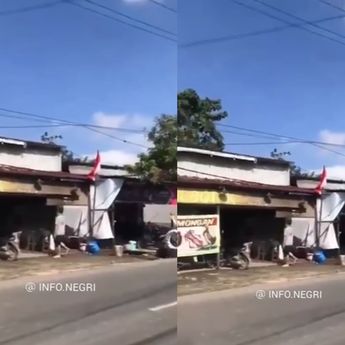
118, 152
132, 121
331, 137
126, 121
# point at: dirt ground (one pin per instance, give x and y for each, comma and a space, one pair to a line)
209, 281
72, 262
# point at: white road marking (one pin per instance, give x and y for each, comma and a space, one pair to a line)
163, 306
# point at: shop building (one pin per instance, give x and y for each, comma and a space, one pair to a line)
252, 195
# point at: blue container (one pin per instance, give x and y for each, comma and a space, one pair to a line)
319, 257
93, 248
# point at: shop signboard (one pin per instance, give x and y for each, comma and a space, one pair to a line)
197, 235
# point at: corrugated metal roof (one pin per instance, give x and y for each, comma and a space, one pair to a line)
7, 170
239, 184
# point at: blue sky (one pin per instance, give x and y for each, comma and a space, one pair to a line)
289, 82
69, 63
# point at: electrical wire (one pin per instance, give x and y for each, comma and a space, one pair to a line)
307, 22
86, 126
266, 14
139, 21
255, 33
158, 3
121, 21
318, 144
263, 143
332, 5
31, 8
43, 118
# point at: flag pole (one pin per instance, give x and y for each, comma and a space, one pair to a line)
93, 176
320, 222
94, 208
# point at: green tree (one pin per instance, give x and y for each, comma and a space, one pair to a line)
159, 163
197, 119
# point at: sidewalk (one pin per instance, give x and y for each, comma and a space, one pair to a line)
33, 265
211, 281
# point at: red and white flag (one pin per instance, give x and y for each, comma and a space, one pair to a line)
322, 183
96, 168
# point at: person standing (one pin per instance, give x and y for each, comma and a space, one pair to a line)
59, 233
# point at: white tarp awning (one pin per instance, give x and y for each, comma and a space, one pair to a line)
76, 217
302, 230
332, 204
300, 233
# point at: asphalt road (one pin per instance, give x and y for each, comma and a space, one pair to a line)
133, 304
238, 317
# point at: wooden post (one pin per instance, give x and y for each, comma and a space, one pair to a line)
338, 238
89, 215
218, 254
93, 211
320, 224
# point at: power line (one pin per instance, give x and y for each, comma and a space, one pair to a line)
30, 8
308, 22
255, 33
331, 5
264, 13
274, 135
317, 144
66, 125
122, 21
263, 143
41, 117
130, 17
158, 3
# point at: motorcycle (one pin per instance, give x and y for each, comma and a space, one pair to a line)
241, 259
9, 249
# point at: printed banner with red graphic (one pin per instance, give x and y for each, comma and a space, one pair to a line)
197, 235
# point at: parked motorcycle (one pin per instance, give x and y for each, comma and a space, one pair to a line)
9, 249
241, 259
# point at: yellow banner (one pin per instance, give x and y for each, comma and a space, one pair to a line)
216, 198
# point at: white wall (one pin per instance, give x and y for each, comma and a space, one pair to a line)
233, 169
84, 170
31, 159
310, 184
159, 214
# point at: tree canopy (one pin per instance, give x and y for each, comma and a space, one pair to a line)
197, 119
158, 164
194, 126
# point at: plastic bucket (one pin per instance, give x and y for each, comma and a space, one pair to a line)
119, 251
319, 257
93, 248
342, 260
133, 245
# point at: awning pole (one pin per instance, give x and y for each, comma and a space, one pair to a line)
220, 232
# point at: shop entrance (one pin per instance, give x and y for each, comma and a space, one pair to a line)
240, 225
29, 215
